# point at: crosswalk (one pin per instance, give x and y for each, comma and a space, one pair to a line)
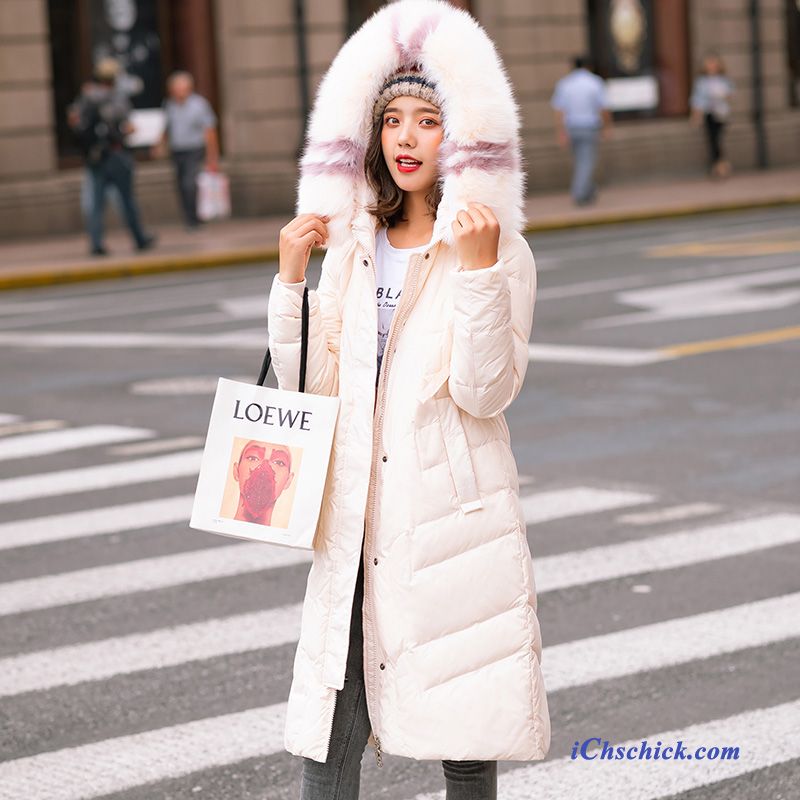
660, 542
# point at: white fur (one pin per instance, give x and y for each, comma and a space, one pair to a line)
478, 105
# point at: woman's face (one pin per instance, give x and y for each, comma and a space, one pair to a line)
412, 127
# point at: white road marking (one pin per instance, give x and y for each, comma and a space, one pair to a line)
613, 655
668, 514
669, 643
144, 575
158, 446
733, 294
666, 552
96, 522
557, 503
765, 737
247, 339
39, 444
165, 647
607, 356
113, 765
552, 572
104, 476
16, 428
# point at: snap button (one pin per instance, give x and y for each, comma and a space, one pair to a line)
366, 263
427, 255
383, 666
375, 561
386, 458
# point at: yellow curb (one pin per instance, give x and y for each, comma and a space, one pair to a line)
644, 215
49, 274
54, 274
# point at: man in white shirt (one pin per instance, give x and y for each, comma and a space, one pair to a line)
580, 102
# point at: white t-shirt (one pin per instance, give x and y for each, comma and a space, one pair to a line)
391, 265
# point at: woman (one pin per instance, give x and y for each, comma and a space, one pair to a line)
412, 180
710, 103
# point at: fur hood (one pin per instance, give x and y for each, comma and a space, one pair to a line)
479, 157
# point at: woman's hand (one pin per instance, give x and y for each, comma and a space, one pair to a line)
477, 236
297, 239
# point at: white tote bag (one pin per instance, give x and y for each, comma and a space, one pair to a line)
213, 195
265, 461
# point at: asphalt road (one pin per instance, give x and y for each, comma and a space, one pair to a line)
658, 441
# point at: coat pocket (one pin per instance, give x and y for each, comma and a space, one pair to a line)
439, 435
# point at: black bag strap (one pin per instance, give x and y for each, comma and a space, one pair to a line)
303, 349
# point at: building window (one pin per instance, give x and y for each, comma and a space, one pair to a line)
149, 38
641, 47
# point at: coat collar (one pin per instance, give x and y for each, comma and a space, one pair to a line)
479, 158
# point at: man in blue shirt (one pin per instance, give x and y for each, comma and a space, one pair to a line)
191, 132
582, 111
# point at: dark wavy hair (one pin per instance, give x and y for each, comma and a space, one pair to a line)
388, 206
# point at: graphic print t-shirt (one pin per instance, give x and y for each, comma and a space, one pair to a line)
391, 265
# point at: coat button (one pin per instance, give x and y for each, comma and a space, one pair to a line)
366, 263
386, 458
383, 666
375, 561
427, 255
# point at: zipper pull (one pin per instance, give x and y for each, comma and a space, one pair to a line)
378, 756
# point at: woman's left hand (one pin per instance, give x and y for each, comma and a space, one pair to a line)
477, 236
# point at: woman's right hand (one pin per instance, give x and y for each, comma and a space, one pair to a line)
297, 239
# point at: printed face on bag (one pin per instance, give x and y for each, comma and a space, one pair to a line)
263, 471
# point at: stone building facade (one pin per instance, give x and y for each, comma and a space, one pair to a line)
259, 64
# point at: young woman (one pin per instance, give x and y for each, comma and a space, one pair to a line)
710, 104
419, 631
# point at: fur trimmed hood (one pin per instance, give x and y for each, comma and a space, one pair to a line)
479, 157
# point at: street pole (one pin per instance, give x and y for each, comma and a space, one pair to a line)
758, 96
302, 72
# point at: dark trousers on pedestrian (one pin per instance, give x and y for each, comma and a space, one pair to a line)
714, 131
188, 165
339, 777
116, 169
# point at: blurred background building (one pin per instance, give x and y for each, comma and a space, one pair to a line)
259, 62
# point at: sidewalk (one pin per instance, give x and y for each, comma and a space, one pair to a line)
64, 259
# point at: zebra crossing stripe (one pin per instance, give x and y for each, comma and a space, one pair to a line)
39, 444
556, 503
675, 641
766, 737
552, 572
105, 476
95, 522
112, 765
584, 661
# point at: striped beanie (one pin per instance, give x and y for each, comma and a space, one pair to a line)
405, 82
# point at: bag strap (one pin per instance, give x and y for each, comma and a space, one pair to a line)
303, 349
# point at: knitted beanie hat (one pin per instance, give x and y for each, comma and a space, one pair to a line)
405, 82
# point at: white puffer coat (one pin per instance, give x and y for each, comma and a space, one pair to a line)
423, 470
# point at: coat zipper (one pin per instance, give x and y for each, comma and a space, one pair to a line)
400, 314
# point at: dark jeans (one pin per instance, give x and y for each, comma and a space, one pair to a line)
117, 170
340, 776
714, 131
188, 165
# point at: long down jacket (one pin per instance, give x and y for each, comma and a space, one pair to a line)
422, 469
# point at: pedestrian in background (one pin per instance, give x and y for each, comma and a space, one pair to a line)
100, 119
710, 102
191, 133
581, 108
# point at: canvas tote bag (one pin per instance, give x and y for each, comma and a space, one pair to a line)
265, 461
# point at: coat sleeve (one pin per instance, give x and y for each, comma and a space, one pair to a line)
324, 330
493, 317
